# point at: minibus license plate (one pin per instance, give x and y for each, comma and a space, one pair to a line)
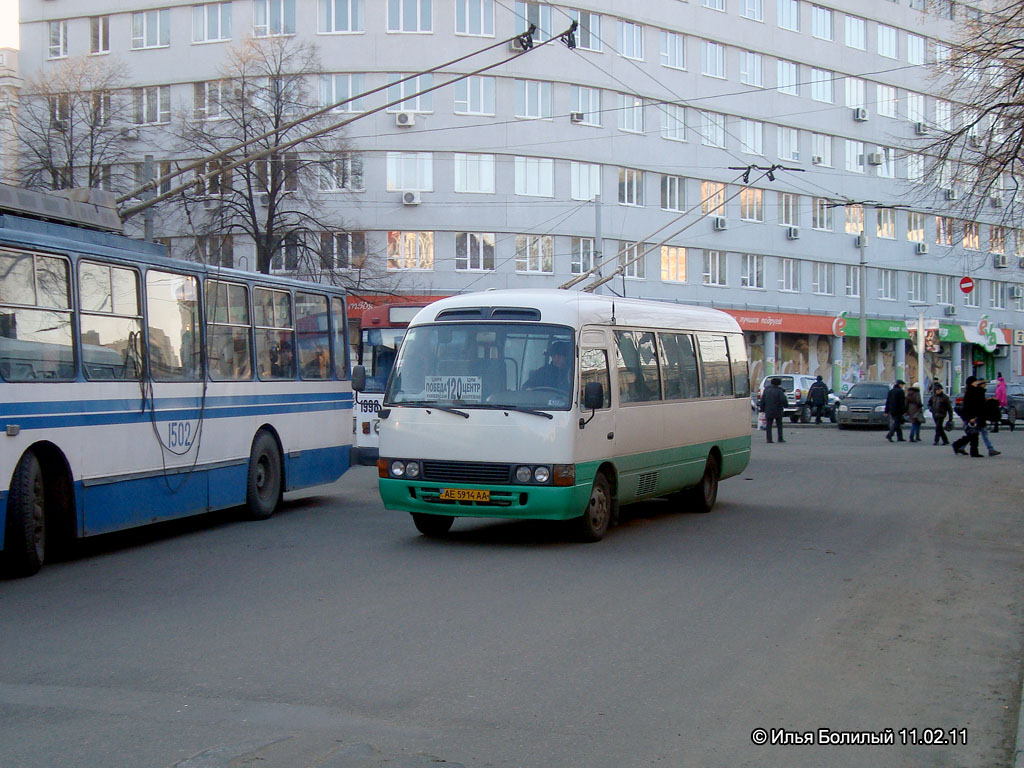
464, 494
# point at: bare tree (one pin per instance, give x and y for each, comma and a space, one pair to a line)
69, 124
277, 201
975, 145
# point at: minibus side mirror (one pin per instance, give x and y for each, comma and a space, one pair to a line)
593, 398
358, 378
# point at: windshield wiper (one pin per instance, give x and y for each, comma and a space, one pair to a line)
428, 404
519, 408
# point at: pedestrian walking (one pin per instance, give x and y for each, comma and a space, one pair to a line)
942, 411
773, 403
1000, 399
915, 412
817, 396
896, 408
973, 414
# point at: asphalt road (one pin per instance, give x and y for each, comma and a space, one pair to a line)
842, 583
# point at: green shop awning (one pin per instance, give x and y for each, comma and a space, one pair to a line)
897, 329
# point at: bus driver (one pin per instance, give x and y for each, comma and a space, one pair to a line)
556, 374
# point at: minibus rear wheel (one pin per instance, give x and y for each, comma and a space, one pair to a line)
705, 493
593, 523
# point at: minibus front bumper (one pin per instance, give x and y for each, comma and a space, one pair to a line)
524, 502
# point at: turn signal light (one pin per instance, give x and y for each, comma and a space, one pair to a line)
563, 474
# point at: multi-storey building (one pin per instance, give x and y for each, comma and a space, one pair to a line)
10, 86
656, 127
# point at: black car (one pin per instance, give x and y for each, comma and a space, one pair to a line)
864, 405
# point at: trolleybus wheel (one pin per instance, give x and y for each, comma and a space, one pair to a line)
263, 492
25, 535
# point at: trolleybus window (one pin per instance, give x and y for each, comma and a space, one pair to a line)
275, 339
173, 321
314, 341
111, 321
340, 343
35, 318
228, 333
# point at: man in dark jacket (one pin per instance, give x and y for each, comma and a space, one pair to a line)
817, 396
973, 414
773, 402
895, 407
942, 409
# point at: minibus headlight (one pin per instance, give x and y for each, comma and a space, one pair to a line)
541, 474
524, 474
397, 468
412, 469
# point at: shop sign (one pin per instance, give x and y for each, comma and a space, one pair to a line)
782, 322
988, 334
1018, 337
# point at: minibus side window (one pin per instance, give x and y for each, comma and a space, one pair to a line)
594, 367
738, 363
715, 373
637, 361
679, 366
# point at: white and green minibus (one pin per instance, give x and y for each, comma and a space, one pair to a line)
559, 405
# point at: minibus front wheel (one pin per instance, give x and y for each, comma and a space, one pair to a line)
593, 523
432, 525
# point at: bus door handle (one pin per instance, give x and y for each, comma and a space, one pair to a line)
611, 435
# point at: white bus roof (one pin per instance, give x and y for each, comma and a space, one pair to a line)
576, 309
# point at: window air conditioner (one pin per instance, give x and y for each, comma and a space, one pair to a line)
264, 200
995, 201
405, 119
720, 223
860, 114
950, 311
974, 140
817, 159
576, 117
1001, 351
793, 233
1016, 292
516, 46
999, 261
921, 249
876, 158
952, 194
410, 198
130, 134
921, 129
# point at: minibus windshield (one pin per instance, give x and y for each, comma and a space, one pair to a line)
518, 366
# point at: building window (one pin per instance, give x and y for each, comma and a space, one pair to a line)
534, 176
631, 40
342, 250
915, 108
943, 230
996, 239
672, 193
886, 103
410, 171
278, 172
854, 219
151, 29
915, 169
712, 198
631, 186
538, 14
856, 36
751, 69
752, 137
58, 39
789, 15
673, 50
712, 129
824, 279
972, 237
789, 209
887, 44
822, 214
273, 17
821, 149
584, 181
673, 264
535, 253
854, 156
752, 275
211, 22
405, 90
887, 284
790, 275
886, 223
915, 226
973, 299
409, 16
533, 99
474, 173
916, 47
207, 99
673, 122
152, 105
997, 295
583, 257
887, 168
474, 17
99, 34
714, 263
751, 204
342, 89
588, 33
821, 85
752, 9
943, 289
713, 59
631, 258
410, 250
716, 5
474, 251
821, 22
631, 113
788, 77
341, 173
474, 96
854, 92
917, 287
789, 143
853, 282
587, 101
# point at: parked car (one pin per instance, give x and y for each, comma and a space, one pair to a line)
796, 386
864, 405
1014, 402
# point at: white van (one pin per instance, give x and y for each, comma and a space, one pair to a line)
561, 405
